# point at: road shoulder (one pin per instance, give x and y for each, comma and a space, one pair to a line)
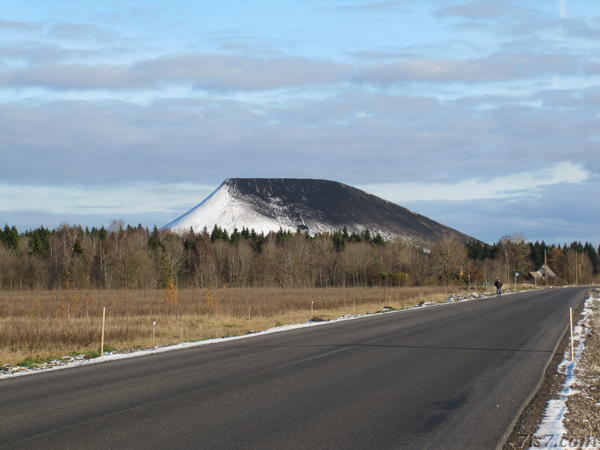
542, 422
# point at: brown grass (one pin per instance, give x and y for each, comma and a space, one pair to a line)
43, 324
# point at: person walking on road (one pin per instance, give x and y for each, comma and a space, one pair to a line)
498, 285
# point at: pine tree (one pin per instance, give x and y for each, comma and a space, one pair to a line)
339, 242
38, 242
366, 235
593, 256
77, 249
235, 236
345, 234
10, 237
154, 239
216, 233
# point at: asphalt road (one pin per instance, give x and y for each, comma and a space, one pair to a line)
443, 377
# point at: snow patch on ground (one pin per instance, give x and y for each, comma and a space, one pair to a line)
552, 426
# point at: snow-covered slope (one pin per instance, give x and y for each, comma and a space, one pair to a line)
227, 209
270, 204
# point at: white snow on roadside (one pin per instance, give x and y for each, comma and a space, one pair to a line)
79, 361
552, 426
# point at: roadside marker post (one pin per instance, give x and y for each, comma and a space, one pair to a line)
571, 328
312, 307
153, 331
102, 338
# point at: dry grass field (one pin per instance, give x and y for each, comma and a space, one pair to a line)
45, 324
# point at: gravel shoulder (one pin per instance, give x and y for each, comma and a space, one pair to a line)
565, 411
582, 419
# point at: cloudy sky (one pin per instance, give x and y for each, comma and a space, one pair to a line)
483, 115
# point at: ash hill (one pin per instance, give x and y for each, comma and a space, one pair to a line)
271, 204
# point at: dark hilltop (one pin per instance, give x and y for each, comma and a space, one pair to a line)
313, 205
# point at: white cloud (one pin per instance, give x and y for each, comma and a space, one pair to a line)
491, 68
376, 6
201, 70
17, 26
134, 198
504, 186
482, 10
223, 72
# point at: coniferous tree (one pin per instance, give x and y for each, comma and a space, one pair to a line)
9, 237
593, 256
77, 249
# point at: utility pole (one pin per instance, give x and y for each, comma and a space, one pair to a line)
545, 268
506, 262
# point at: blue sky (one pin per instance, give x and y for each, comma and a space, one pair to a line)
482, 115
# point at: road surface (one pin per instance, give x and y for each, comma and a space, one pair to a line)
452, 376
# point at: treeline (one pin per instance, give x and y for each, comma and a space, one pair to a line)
135, 257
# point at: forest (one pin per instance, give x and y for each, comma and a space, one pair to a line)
135, 257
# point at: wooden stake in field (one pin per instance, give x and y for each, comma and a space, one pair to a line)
102, 338
571, 328
576, 268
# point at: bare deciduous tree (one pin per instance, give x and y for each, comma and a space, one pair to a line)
449, 258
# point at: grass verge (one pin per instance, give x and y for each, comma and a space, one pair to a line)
37, 325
